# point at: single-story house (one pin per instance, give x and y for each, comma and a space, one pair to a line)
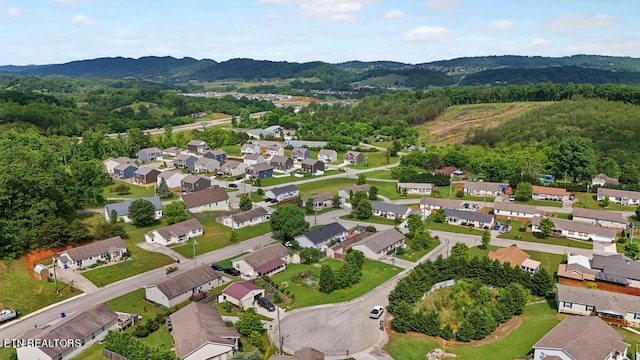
274, 150
320, 237
111, 163
261, 170
251, 217
305, 143
377, 245
346, 193
509, 210
108, 250
242, 294
313, 166
468, 218
429, 203
192, 183
623, 197
233, 168
268, 260
149, 154
185, 161
146, 175
320, 201
390, 211
450, 170
173, 178
282, 193
217, 154
205, 164
602, 180
124, 171
172, 151
549, 193
416, 188
353, 157
199, 332
577, 230
122, 208
584, 338
207, 200
516, 257
198, 146
484, 188
306, 353
300, 154
614, 308
79, 331
250, 149
327, 155
281, 163
616, 273
604, 218
175, 233
181, 287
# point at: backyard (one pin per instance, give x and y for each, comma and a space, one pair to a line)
518, 232
431, 224
135, 191
547, 260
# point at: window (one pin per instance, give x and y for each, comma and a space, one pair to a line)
93, 335
590, 308
636, 316
568, 304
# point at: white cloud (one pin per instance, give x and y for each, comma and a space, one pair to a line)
327, 10
272, 15
426, 33
538, 44
73, 1
394, 14
14, 11
242, 18
614, 47
81, 19
573, 23
502, 25
443, 5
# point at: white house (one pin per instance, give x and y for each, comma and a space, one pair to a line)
549, 193
274, 150
428, 204
390, 211
416, 188
320, 237
253, 159
111, 163
484, 188
623, 197
282, 193
610, 219
181, 287
327, 155
216, 199
122, 208
205, 164
175, 233
79, 257
233, 168
602, 180
199, 332
80, 330
377, 245
173, 178
514, 211
577, 230
251, 217
468, 218
242, 294
268, 260
250, 149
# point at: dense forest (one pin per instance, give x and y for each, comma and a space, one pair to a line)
559, 75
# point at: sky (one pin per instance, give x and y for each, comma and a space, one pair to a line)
410, 31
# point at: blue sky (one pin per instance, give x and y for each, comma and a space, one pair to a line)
412, 31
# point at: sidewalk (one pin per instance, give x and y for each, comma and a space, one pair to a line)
75, 279
161, 249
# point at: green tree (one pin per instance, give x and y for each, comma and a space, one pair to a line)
440, 216
421, 240
245, 202
233, 237
88, 179
255, 339
373, 193
606, 202
175, 212
105, 230
363, 209
249, 322
576, 156
288, 220
524, 191
632, 251
309, 255
638, 213
542, 283
163, 189
327, 282
414, 223
142, 212
250, 355
460, 250
546, 227
466, 332
122, 189
309, 206
362, 179
356, 197
403, 317
486, 239
336, 202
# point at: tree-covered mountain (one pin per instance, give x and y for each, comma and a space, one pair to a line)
558, 75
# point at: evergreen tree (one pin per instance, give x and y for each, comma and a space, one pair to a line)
142, 212
245, 202
327, 281
373, 193
309, 206
486, 239
402, 317
542, 283
465, 332
163, 189
234, 236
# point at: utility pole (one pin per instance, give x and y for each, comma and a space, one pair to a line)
55, 276
194, 253
633, 229
279, 331
447, 240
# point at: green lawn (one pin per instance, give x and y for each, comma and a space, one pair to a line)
374, 273
371, 220
375, 159
433, 225
538, 319
287, 179
135, 191
326, 185
547, 260
379, 174
588, 201
551, 203
413, 256
216, 236
518, 232
21, 292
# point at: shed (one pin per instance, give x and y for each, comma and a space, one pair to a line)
41, 272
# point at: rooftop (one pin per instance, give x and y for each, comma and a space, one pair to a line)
187, 280
324, 233
265, 255
179, 229
96, 248
291, 188
469, 215
382, 240
512, 255
389, 208
204, 197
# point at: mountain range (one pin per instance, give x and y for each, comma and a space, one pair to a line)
493, 70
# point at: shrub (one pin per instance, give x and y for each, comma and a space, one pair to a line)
371, 228
171, 269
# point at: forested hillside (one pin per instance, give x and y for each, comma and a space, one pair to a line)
558, 75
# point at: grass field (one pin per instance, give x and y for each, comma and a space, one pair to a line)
518, 232
379, 174
413, 256
537, 320
374, 273
431, 224
135, 191
547, 260
589, 201
375, 159
287, 179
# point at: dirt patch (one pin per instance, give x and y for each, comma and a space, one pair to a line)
210, 234
2, 265
34, 257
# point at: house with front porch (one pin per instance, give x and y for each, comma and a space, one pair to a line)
379, 244
622, 197
390, 211
549, 193
175, 233
513, 211
610, 219
146, 175
79, 257
206, 200
217, 154
484, 188
242, 294
179, 288
268, 260
577, 230
251, 217
468, 218
197, 146
281, 164
415, 188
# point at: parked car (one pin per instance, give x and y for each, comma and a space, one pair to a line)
475, 206
496, 226
571, 197
232, 271
376, 312
505, 229
232, 185
265, 303
466, 205
512, 198
217, 267
239, 177
8, 314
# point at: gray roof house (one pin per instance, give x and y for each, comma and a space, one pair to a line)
259, 171
185, 161
268, 260
416, 188
198, 146
233, 168
577, 230
81, 330
623, 197
146, 175
617, 269
321, 236
79, 257
604, 218
320, 201
122, 208
175, 233
583, 338
300, 154
282, 193
602, 180
281, 163
468, 218
199, 332
124, 171
327, 155
111, 163
251, 217
429, 203
149, 154
250, 149
353, 157
181, 287
313, 166
193, 183
252, 159
217, 154
390, 211
211, 199
347, 192
515, 211
205, 164
377, 245
484, 188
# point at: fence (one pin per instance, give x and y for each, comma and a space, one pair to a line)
214, 214
285, 299
112, 355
